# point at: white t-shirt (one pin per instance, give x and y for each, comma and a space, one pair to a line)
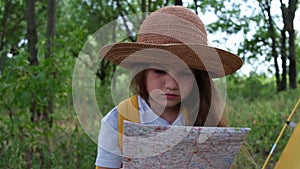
109, 154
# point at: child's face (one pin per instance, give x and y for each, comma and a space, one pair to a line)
169, 85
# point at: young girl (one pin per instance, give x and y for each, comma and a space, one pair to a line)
173, 67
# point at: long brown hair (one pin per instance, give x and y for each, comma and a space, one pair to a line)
209, 110
211, 106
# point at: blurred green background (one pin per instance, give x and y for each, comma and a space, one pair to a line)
40, 42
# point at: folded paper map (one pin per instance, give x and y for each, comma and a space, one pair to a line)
184, 147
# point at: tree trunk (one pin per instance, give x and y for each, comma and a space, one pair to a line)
288, 16
292, 58
144, 6
31, 32
48, 111
292, 49
178, 2
273, 46
51, 25
283, 48
32, 42
283, 59
149, 6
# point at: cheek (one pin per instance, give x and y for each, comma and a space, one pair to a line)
187, 85
153, 89
149, 87
151, 83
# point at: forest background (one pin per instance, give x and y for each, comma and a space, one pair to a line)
40, 42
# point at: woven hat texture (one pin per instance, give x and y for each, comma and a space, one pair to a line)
173, 35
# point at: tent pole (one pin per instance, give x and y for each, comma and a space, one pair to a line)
281, 133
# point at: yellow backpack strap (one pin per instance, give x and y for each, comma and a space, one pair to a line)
186, 116
127, 110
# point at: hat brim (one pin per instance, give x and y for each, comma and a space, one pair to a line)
217, 62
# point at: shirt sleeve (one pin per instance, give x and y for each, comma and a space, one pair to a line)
109, 154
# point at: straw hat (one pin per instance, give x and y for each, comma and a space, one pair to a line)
170, 35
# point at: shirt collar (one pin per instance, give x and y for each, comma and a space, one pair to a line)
147, 116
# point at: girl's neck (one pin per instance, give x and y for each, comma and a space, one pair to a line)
168, 113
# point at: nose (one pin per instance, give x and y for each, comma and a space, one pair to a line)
171, 83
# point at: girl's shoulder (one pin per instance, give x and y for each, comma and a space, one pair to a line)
111, 118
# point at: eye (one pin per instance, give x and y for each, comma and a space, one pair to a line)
159, 71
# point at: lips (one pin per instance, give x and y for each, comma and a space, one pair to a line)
170, 96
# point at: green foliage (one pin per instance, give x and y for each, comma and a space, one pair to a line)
24, 141
244, 86
12, 12
47, 148
253, 102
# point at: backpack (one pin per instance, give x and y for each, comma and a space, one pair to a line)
128, 110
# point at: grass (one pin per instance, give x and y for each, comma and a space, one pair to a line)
35, 145
265, 115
